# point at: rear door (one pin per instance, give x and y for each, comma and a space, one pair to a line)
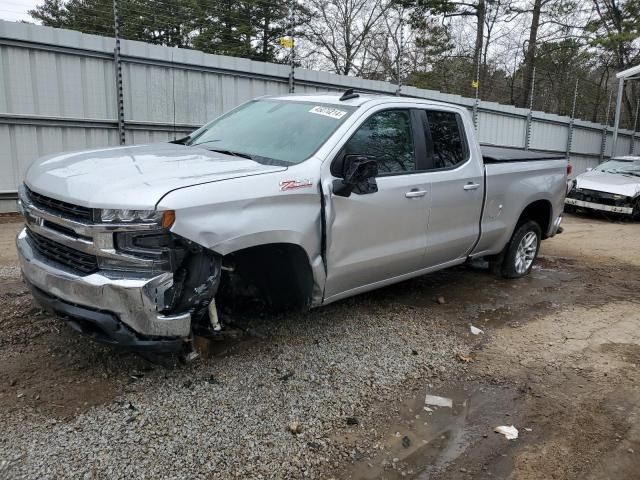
378, 236
457, 187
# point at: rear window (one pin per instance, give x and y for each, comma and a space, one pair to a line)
445, 139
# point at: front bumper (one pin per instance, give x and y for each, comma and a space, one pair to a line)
599, 206
110, 302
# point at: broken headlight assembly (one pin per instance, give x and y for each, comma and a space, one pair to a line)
153, 248
160, 250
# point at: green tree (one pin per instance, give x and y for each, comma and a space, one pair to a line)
248, 29
614, 31
245, 28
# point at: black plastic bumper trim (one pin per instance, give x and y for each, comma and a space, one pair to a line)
103, 327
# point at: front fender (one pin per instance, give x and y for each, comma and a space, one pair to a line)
232, 215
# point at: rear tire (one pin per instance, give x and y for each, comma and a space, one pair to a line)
522, 250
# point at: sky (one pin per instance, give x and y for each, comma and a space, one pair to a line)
16, 10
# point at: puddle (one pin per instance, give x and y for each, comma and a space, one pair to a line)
419, 443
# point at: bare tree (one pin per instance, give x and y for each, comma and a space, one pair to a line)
556, 17
343, 31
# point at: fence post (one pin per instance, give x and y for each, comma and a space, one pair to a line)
527, 140
476, 102
118, 65
573, 116
400, 50
292, 86
632, 146
605, 129
616, 121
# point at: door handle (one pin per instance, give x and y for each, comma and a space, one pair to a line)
471, 186
415, 193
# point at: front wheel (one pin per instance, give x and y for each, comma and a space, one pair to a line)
635, 215
522, 250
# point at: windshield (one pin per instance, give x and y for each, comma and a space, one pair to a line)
623, 167
272, 130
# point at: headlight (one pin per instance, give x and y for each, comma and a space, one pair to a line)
110, 215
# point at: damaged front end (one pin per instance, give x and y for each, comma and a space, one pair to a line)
582, 198
126, 281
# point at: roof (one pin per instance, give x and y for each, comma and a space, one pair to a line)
629, 72
627, 157
334, 98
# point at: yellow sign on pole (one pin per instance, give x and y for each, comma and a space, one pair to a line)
474, 83
286, 42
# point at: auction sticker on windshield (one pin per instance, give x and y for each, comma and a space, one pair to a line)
328, 112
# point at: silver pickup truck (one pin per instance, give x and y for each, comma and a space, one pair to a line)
298, 200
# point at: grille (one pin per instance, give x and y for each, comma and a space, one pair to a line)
70, 257
598, 197
58, 206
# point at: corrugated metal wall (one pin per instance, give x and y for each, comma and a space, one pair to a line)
58, 92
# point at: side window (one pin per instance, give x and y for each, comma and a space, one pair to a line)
387, 137
447, 141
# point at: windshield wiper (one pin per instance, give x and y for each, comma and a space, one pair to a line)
232, 153
220, 150
255, 158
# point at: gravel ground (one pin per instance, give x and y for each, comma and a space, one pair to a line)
351, 379
229, 416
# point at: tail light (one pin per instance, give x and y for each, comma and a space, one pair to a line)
569, 169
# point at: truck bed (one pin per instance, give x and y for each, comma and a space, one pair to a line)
492, 154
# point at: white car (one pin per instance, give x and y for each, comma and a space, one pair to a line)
613, 186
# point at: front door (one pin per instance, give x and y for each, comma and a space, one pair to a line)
378, 236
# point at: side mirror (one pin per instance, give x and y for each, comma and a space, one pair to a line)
359, 174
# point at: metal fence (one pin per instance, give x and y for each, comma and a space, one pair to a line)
59, 91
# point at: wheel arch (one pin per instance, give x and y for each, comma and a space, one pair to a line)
541, 212
281, 273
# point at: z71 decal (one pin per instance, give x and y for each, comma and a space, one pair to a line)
294, 184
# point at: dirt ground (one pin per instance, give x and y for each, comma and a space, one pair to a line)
558, 359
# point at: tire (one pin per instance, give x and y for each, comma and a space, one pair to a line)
522, 250
635, 215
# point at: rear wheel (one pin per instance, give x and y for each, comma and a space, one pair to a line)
522, 250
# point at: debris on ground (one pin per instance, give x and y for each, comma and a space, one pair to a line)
352, 420
440, 300
465, 358
475, 330
286, 376
510, 433
406, 442
295, 428
438, 401
191, 357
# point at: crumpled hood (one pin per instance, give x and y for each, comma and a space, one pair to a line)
134, 177
609, 182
